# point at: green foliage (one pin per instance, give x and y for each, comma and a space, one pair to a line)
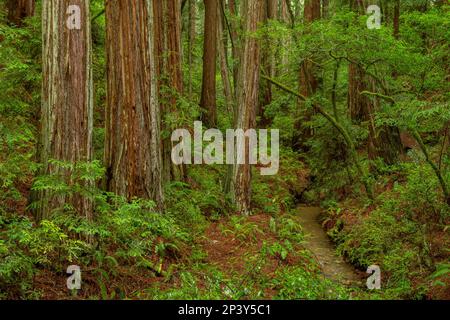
192, 204
279, 250
16, 163
442, 271
25, 246
121, 233
394, 235
285, 227
189, 288
296, 283
20, 71
277, 193
241, 230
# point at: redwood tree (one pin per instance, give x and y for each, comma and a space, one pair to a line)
308, 82
268, 61
191, 41
19, 10
132, 147
167, 22
247, 94
208, 98
67, 99
396, 19
222, 38
235, 41
384, 141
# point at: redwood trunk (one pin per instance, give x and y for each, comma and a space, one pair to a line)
222, 50
132, 148
383, 142
191, 43
308, 82
235, 41
284, 18
357, 103
208, 98
18, 10
325, 8
169, 55
67, 100
247, 99
397, 19
268, 62
174, 53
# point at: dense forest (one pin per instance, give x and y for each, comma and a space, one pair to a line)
224, 149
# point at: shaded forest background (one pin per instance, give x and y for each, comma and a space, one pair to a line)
86, 118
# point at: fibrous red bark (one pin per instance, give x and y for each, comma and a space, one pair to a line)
247, 94
133, 146
167, 17
208, 97
268, 61
308, 82
67, 100
18, 10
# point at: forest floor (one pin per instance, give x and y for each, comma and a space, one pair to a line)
249, 257
228, 253
245, 256
273, 254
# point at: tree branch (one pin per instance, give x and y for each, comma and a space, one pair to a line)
379, 95
98, 15
339, 127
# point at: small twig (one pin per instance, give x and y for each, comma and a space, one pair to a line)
98, 15
444, 143
379, 95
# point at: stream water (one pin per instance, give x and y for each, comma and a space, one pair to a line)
333, 266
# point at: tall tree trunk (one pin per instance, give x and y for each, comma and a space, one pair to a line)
397, 19
174, 53
18, 10
357, 103
191, 42
383, 142
247, 94
358, 6
286, 13
268, 62
235, 41
284, 18
308, 82
132, 148
168, 47
233, 28
222, 50
208, 99
325, 8
67, 100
